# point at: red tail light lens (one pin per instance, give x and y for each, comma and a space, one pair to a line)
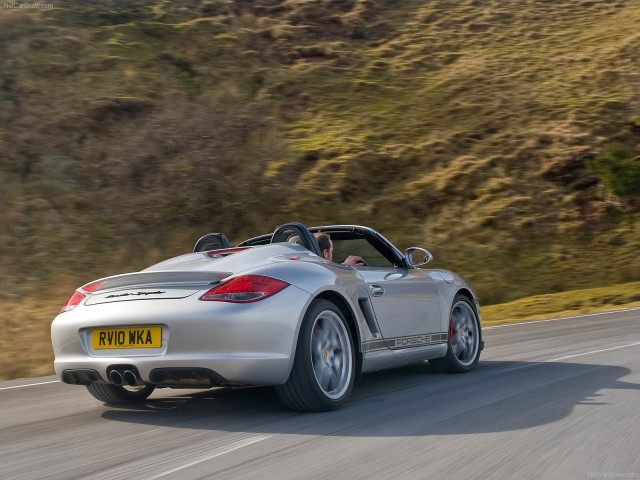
73, 302
92, 287
80, 294
245, 289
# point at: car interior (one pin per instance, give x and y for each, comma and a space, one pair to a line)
347, 240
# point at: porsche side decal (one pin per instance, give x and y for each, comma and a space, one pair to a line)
417, 340
405, 342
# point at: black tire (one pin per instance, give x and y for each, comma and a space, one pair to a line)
109, 393
463, 345
323, 370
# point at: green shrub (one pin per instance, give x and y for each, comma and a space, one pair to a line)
619, 171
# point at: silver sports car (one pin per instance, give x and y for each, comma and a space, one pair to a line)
274, 310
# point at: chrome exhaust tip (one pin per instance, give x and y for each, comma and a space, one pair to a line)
116, 378
131, 379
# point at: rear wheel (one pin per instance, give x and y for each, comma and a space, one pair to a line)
463, 349
324, 366
120, 395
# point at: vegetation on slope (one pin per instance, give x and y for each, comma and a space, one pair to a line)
502, 135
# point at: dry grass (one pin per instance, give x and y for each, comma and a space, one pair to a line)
564, 304
128, 130
25, 346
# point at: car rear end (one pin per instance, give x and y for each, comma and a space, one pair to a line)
179, 328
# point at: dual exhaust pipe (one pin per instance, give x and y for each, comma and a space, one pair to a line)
125, 377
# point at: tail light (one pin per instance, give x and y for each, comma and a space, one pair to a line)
79, 295
92, 287
245, 289
74, 301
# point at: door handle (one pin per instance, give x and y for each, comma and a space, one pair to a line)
376, 290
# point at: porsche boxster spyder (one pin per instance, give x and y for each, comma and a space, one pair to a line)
273, 310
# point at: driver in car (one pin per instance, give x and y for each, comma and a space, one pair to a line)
326, 247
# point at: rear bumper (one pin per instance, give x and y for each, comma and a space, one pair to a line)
160, 376
208, 343
170, 372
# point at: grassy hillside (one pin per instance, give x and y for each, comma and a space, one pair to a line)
502, 135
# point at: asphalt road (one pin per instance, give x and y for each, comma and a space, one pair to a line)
550, 399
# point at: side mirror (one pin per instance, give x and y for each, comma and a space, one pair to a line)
416, 256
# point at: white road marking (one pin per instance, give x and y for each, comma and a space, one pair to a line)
490, 327
566, 357
216, 453
520, 366
29, 385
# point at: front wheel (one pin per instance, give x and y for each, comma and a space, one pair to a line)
324, 365
120, 395
463, 348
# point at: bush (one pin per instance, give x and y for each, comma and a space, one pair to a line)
619, 171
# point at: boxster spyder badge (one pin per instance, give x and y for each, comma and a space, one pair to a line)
275, 310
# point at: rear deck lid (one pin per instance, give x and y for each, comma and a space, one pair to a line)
151, 286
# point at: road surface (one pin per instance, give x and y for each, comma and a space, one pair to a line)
558, 398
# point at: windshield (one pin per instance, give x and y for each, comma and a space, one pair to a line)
342, 248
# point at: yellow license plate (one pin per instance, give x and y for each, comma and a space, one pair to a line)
135, 337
